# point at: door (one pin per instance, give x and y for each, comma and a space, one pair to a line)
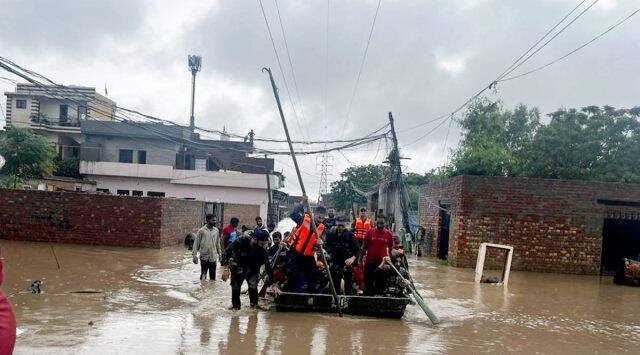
443, 240
620, 239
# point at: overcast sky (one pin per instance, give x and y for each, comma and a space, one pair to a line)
426, 57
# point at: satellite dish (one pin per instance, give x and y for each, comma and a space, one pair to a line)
2, 161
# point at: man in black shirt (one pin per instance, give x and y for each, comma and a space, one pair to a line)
242, 261
344, 250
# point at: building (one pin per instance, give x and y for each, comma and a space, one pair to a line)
156, 160
564, 226
56, 112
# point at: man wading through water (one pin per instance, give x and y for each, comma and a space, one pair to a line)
242, 261
209, 245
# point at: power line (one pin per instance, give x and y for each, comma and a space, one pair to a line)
284, 79
366, 139
293, 73
513, 66
573, 51
541, 39
550, 39
364, 58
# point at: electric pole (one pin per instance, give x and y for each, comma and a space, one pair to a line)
195, 63
269, 207
394, 161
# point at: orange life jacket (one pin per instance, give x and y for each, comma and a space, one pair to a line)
362, 227
302, 240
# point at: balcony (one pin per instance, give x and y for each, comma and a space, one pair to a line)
42, 120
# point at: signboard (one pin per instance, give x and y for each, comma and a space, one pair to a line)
2, 161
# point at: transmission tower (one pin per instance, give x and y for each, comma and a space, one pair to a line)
323, 163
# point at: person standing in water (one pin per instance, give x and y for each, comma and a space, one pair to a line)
209, 245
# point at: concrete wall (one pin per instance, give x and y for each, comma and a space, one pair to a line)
553, 225
159, 151
67, 217
243, 196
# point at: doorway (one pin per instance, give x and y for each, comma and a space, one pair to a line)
443, 239
620, 239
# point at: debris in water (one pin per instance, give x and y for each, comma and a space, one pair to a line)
35, 287
489, 280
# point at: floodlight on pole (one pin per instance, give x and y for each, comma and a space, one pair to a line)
195, 62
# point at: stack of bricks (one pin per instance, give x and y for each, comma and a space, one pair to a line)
553, 225
70, 217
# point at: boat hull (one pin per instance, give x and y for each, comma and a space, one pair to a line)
371, 306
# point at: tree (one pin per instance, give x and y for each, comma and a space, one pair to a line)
592, 143
69, 167
28, 155
355, 180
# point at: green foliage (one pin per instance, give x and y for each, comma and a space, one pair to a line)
28, 155
69, 167
363, 178
592, 143
367, 178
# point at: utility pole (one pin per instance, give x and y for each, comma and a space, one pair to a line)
269, 214
195, 63
394, 161
305, 200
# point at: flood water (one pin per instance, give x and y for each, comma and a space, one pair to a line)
150, 301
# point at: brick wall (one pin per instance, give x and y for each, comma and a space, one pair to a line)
553, 225
69, 217
245, 213
180, 217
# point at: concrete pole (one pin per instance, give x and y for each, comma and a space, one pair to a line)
192, 119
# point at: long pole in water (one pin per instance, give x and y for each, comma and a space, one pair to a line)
304, 193
432, 316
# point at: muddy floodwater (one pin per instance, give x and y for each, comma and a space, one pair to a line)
115, 300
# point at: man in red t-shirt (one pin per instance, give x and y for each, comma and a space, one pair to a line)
377, 244
229, 233
7, 322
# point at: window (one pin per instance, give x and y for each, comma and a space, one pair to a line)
104, 191
21, 103
142, 157
126, 156
136, 193
64, 113
155, 194
82, 112
123, 192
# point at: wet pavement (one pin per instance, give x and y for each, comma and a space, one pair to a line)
115, 300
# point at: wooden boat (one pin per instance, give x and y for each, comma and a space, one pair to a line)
371, 306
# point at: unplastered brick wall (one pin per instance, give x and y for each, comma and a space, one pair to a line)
180, 217
553, 225
245, 213
70, 217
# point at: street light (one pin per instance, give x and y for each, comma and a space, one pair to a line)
195, 62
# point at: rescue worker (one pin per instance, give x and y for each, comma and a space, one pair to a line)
344, 249
242, 261
377, 244
209, 245
302, 245
7, 320
361, 225
386, 280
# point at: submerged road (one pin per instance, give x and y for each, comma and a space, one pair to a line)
115, 300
